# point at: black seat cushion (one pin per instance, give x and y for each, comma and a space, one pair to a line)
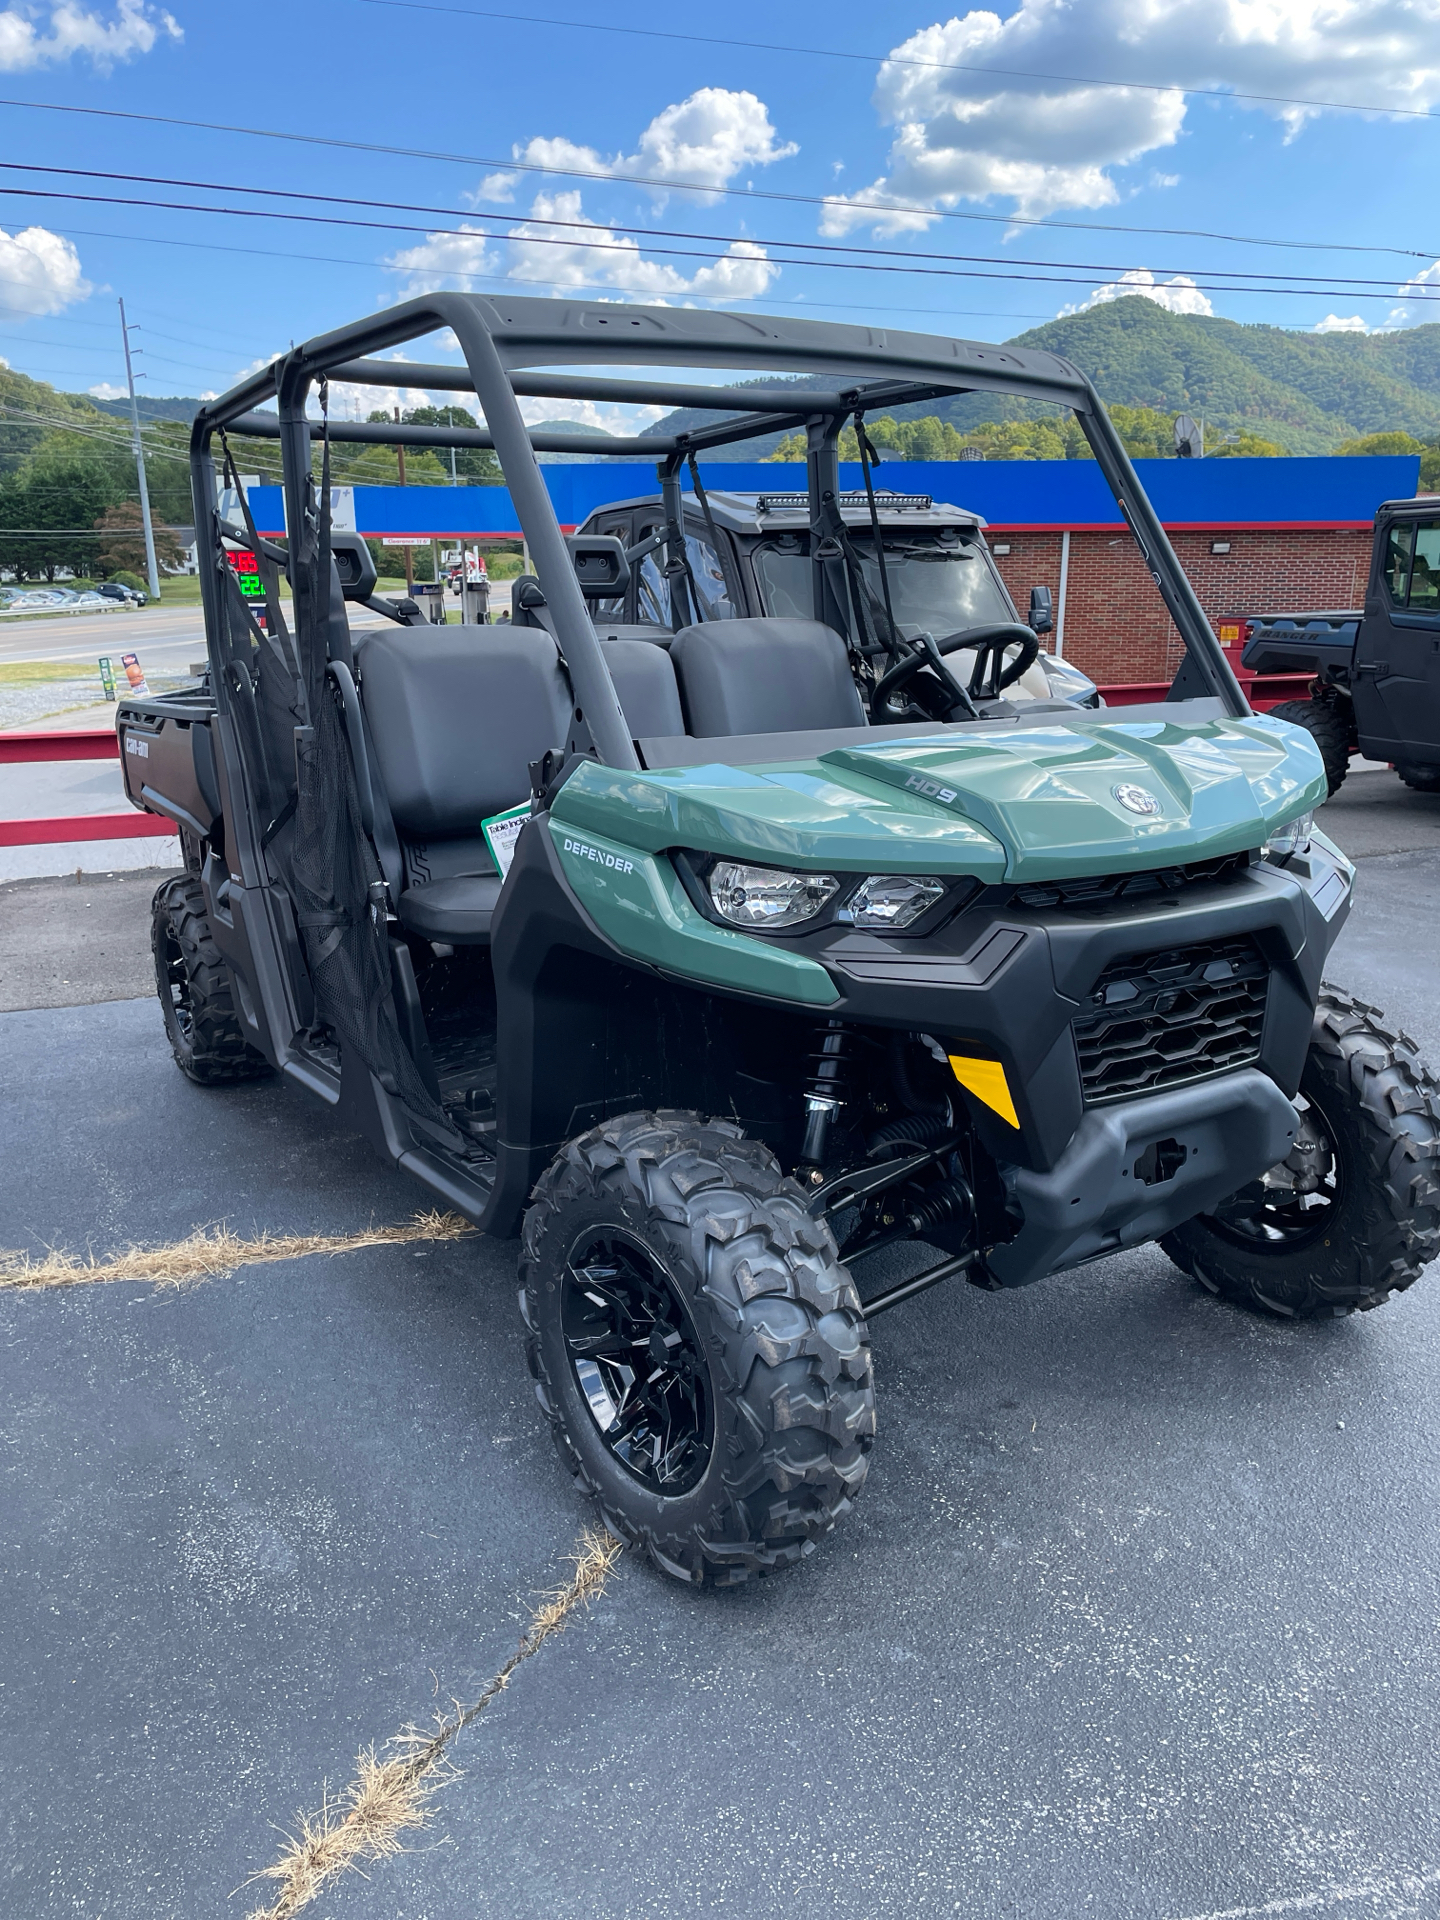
456, 910
456, 715
644, 686
764, 676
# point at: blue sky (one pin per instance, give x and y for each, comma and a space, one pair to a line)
930, 118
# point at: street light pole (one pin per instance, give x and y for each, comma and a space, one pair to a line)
150, 566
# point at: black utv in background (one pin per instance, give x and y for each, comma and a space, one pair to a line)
1376, 689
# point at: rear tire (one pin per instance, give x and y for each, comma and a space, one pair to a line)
1353, 1214
743, 1431
1419, 779
196, 997
1330, 730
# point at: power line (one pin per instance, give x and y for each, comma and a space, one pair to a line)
680, 186
891, 263
584, 227
906, 60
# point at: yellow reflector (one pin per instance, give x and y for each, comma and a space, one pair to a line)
986, 1080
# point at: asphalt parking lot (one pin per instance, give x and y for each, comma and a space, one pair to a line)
1137, 1616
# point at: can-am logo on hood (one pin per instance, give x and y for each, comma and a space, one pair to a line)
1136, 799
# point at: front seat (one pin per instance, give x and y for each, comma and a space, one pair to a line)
767, 675
455, 716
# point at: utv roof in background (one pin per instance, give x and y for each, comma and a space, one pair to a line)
748, 513
532, 333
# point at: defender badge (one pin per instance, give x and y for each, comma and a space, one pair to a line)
1136, 799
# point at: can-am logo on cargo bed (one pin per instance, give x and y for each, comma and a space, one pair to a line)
932, 790
1136, 799
601, 858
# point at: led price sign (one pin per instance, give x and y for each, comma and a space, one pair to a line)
246, 569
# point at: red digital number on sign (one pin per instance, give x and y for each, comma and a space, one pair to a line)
247, 571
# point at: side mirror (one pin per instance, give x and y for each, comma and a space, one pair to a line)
1040, 619
600, 563
355, 565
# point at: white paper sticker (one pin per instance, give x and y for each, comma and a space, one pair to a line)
501, 832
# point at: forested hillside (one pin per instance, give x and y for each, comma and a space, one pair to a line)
1301, 392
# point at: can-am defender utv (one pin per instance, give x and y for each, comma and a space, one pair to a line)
716, 957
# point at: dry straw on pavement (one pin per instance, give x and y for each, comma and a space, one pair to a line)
388, 1798
212, 1252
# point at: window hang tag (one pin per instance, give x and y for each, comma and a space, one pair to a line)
501, 832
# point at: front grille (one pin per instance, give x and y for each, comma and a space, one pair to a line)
1157, 1020
1103, 890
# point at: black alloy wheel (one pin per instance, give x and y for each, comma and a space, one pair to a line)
1294, 1204
1351, 1215
697, 1347
637, 1360
197, 999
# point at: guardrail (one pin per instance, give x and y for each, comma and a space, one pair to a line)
1262, 690
19, 749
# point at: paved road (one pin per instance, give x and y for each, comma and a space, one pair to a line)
1137, 1616
168, 638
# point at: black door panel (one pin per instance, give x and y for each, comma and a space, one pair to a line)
1397, 656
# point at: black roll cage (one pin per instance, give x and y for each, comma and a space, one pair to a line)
504, 341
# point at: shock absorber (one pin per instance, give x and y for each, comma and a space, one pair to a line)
824, 1092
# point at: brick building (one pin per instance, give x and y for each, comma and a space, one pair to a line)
1116, 628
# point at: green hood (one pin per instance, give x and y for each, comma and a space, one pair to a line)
1032, 803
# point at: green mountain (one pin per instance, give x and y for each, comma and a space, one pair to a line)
162, 406
1308, 392
29, 410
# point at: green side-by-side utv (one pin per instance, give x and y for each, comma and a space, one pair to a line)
759, 897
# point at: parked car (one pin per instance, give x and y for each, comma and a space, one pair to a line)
127, 596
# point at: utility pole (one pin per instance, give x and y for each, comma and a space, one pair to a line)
150, 566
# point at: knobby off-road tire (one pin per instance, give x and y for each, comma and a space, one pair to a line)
779, 1354
1377, 1108
1330, 730
1419, 779
196, 998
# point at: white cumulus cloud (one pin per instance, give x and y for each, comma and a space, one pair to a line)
1419, 299
1336, 323
1050, 143
133, 28
1180, 295
610, 418
703, 141
580, 255
39, 272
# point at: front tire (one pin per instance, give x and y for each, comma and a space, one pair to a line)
1352, 1214
1329, 727
196, 997
1419, 779
742, 1431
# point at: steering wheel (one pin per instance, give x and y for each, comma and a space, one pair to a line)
989, 641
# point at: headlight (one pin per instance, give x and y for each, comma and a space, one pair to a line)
1068, 683
890, 900
1293, 837
767, 896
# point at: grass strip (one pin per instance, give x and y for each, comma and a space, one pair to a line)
391, 1797
210, 1253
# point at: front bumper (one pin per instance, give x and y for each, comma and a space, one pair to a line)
1132, 1172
